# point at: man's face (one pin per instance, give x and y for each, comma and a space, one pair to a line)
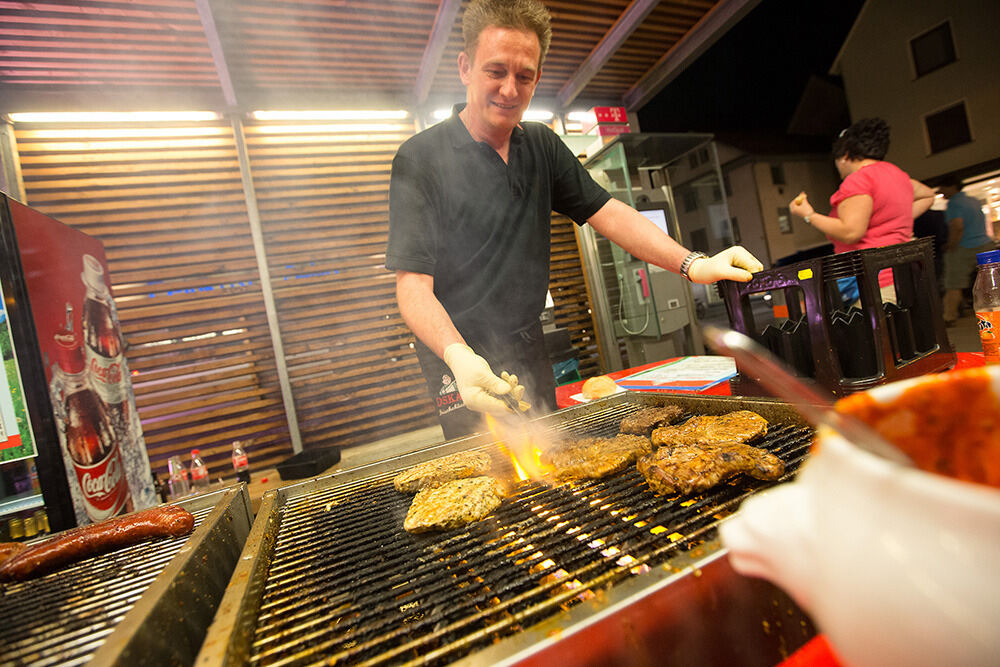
501, 78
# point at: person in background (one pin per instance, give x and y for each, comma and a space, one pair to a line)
470, 205
875, 204
966, 237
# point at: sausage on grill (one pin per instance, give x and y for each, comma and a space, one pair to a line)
9, 550
83, 541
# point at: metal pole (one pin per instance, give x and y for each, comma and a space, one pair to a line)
260, 252
11, 181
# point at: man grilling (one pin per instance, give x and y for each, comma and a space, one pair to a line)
470, 206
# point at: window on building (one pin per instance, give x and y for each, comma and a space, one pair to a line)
933, 50
735, 222
948, 128
727, 184
716, 193
703, 155
693, 160
784, 220
778, 174
690, 197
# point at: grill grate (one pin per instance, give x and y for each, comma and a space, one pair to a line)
346, 583
64, 617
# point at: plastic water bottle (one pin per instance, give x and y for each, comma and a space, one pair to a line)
177, 478
240, 463
199, 473
986, 302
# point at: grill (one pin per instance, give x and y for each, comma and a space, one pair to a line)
328, 574
149, 603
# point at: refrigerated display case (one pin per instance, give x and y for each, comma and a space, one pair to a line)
72, 449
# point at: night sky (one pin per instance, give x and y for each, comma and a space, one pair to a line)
752, 78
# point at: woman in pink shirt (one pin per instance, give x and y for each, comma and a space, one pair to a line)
876, 202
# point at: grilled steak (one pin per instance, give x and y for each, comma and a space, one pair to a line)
645, 420
683, 469
444, 469
452, 504
593, 458
739, 426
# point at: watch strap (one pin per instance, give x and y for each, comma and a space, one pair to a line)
688, 261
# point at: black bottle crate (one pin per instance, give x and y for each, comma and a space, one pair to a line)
848, 347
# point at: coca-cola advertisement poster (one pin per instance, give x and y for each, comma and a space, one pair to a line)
83, 353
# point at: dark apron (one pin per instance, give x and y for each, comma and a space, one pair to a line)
522, 353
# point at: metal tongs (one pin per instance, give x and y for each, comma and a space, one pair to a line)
518, 407
765, 369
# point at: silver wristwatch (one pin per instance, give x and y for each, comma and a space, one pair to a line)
688, 261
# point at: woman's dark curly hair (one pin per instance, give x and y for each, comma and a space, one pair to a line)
867, 138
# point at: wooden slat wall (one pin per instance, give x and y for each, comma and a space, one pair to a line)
323, 192
569, 294
167, 202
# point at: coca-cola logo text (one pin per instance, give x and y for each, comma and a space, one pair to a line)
103, 484
108, 374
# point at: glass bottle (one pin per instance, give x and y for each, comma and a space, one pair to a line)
177, 478
199, 472
240, 462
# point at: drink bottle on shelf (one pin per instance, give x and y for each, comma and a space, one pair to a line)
986, 302
199, 473
177, 478
240, 463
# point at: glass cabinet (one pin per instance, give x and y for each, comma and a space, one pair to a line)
641, 310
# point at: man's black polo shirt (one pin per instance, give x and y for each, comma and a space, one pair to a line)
481, 227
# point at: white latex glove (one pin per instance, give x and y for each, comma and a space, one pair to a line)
734, 263
476, 382
516, 390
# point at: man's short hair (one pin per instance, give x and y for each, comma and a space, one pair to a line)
512, 14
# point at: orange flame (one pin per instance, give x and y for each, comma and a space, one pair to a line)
522, 447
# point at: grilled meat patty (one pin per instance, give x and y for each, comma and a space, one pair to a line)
452, 504
739, 426
593, 458
684, 469
444, 469
645, 420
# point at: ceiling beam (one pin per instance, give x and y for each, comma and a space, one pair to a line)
218, 55
704, 34
443, 24
630, 19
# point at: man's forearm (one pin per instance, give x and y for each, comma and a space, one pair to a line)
423, 313
641, 238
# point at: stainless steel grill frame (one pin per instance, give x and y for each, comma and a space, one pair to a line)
267, 589
149, 603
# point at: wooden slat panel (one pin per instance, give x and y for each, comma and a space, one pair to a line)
569, 295
323, 197
168, 204
189, 297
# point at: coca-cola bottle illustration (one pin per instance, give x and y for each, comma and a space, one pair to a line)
104, 348
86, 429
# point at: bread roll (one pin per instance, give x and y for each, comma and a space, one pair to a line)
599, 387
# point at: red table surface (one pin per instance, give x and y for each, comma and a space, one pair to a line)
817, 652
565, 392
